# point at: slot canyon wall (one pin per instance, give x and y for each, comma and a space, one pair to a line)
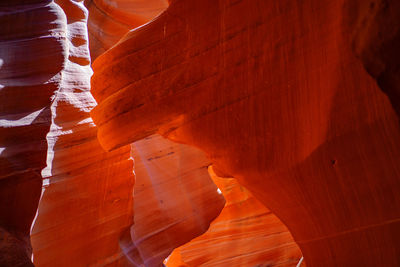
284, 97
86, 207
246, 233
87, 193
109, 20
26, 90
87, 196
294, 103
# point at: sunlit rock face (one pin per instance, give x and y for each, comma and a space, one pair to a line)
297, 100
175, 199
87, 195
32, 53
86, 207
109, 20
246, 233
278, 96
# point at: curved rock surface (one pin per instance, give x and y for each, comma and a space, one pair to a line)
274, 94
25, 90
87, 196
175, 199
86, 206
244, 234
109, 20
298, 100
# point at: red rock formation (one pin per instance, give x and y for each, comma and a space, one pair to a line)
296, 99
109, 20
274, 94
87, 198
376, 41
244, 234
175, 199
28, 28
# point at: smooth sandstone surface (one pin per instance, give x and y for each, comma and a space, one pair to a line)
278, 97
86, 203
109, 20
175, 199
87, 194
25, 91
246, 233
299, 101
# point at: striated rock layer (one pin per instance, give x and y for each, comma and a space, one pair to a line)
109, 20
244, 234
87, 200
85, 212
276, 95
30, 32
175, 199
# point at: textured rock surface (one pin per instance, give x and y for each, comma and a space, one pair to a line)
87, 195
175, 199
274, 94
25, 90
244, 234
376, 41
296, 99
109, 20
86, 207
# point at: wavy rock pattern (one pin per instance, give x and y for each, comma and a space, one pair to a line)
25, 90
87, 195
244, 234
276, 99
109, 20
86, 203
297, 100
175, 199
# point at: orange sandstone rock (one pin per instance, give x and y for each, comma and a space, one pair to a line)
175, 199
109, 20
31, 32
87, 199
275, 95
244, 234
297, 100
86, 207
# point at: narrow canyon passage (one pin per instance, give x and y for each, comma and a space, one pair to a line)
199, 133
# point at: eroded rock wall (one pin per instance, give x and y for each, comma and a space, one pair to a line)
32, 54
87, 199
175, 199
277, 97
109, 20
297, 100
86, 205
246, 233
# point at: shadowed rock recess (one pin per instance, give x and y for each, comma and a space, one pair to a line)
199, 133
